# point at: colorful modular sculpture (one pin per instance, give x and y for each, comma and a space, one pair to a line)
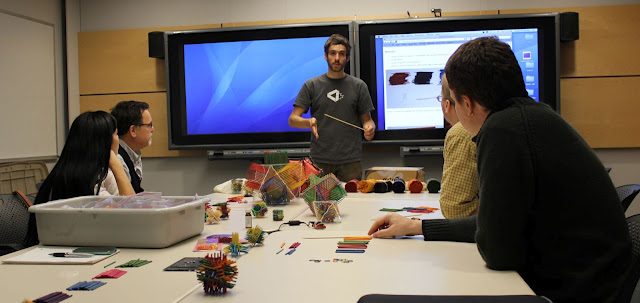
327, 188
217, 274
276, 184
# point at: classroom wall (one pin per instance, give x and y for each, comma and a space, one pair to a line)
123, 14
72, 18
49, 12
188, 175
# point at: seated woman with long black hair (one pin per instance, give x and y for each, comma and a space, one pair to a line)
88, 165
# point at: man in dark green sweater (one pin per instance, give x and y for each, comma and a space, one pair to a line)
547, 209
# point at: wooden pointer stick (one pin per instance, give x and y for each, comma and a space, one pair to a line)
345, 122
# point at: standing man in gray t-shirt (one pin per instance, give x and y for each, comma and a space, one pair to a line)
335, 147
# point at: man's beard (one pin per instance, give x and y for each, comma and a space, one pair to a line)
340, 68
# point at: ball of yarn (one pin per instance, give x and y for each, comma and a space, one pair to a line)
380, 187
415, 186
398, 186
366, 186
351, 186
389, 185
433, 186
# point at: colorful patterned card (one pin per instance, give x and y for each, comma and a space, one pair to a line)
207, 245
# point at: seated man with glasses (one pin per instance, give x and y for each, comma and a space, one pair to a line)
548, 209
459, 194
135, 129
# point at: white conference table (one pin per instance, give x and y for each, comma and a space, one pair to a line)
391, 266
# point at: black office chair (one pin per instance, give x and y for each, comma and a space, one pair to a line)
627, 193
14, 222
631, 287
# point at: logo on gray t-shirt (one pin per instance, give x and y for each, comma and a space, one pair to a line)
335, 95
346, 98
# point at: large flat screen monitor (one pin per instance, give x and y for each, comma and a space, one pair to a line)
402, 62
234, 88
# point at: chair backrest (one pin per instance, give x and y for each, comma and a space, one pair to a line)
627, 193
634, 232
632, 281
14, 221
22, 176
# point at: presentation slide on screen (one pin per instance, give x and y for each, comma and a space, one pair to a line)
410, 69
248, 86
413, 74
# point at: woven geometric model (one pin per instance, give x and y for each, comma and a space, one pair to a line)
327, 188
276, 184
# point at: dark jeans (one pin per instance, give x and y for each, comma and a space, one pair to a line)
344, 172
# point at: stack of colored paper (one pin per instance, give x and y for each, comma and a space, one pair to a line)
135, 263
113, 273
86, 285
53, 297
353, 245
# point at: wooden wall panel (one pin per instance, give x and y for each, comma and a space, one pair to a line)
604, 110
609, 41
157, 107
118, 61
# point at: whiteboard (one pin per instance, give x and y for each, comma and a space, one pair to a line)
27, 88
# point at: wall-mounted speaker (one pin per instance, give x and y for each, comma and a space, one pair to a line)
156, 45
569, 27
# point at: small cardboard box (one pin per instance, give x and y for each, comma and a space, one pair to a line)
406, 173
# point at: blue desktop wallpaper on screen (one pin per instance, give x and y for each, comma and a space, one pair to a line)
248, 86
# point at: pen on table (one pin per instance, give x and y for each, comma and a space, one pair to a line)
70, 255
281, 248
109, 264
412, 216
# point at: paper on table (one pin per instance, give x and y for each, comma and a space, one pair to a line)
40, 255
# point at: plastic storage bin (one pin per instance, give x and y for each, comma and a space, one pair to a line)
84, 221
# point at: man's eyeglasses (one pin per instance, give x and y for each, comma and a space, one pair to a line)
439, 98
149, 125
